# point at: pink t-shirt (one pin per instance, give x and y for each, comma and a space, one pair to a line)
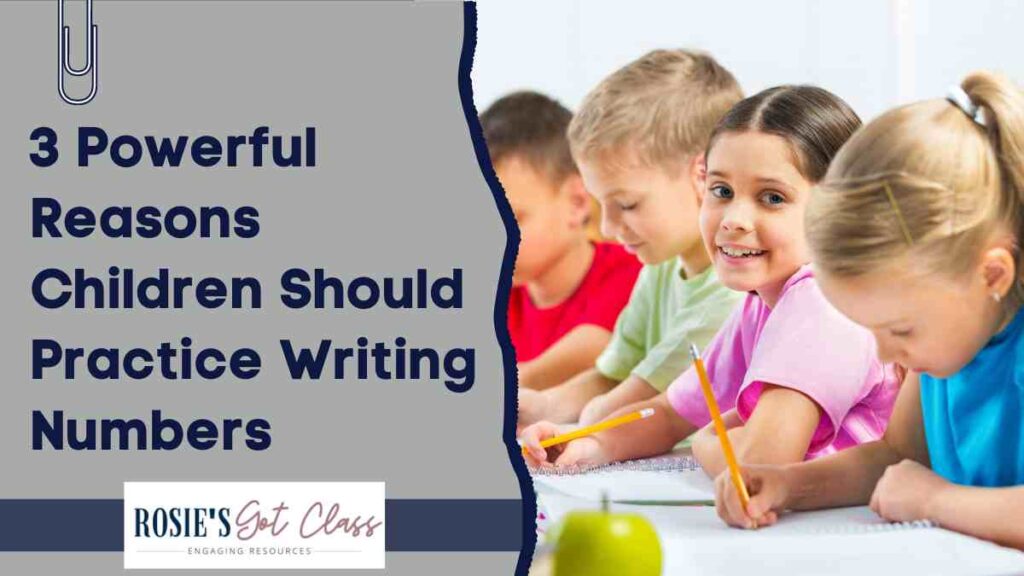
804, 344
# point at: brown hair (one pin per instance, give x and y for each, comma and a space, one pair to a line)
926, 181
659, 108
531, 126
814, 121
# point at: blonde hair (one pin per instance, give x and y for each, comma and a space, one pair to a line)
925, 181
660, 108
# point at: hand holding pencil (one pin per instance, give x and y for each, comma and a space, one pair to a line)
770, 488
720, 431
545, 445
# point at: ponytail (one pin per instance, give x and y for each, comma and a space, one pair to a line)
1002, 106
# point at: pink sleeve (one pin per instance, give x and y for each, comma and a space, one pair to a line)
808, 346
726, 361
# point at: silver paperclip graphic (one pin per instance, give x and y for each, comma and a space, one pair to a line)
64, 55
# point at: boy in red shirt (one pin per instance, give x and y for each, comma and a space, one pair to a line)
567, 291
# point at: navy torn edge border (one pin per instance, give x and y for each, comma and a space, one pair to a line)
529, 539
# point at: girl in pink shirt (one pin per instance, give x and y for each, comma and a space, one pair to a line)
794, 378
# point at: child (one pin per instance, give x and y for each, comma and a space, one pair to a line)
639, 139
915, 235
567, 291
804, 380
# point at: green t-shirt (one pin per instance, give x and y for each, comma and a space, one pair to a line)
665, 313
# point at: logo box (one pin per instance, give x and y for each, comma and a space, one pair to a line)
252, 525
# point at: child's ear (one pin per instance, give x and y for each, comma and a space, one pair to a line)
999, 271
579, 200
699, 175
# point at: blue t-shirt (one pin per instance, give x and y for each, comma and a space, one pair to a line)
973, 420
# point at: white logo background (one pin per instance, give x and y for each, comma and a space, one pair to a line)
273, 525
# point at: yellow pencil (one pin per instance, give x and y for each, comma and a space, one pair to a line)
723, 436
595, 428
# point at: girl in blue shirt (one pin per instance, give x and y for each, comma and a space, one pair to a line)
915, 235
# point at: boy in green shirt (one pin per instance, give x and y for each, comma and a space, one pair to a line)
639, 142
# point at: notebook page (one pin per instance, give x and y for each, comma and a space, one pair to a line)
631, 485
670, 478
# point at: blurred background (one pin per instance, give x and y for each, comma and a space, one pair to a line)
873, 53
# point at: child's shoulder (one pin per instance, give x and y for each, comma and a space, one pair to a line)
1005, 349
802, 297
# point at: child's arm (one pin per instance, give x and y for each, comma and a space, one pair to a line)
648, 437
632, 390
909, 491
562, 403
842, 479
652, 436
847, 478
701, 444
777, 432
572, 354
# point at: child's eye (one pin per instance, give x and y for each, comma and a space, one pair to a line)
628, 207
904, 333
720, 191
773, 198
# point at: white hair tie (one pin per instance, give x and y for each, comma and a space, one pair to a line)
959, 97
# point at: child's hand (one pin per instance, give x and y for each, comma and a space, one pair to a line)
582, 451
905, 492
532, 406
769, 490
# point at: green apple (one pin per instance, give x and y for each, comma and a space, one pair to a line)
600, 543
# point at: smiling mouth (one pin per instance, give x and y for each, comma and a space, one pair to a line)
740, 252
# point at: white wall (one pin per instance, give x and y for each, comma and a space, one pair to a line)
873, 53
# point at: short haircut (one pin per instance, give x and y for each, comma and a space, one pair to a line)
531, 126
659, 109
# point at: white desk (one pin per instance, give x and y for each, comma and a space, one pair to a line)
848, 541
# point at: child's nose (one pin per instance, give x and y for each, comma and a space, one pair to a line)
738, 217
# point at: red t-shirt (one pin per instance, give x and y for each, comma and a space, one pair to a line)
598, 300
